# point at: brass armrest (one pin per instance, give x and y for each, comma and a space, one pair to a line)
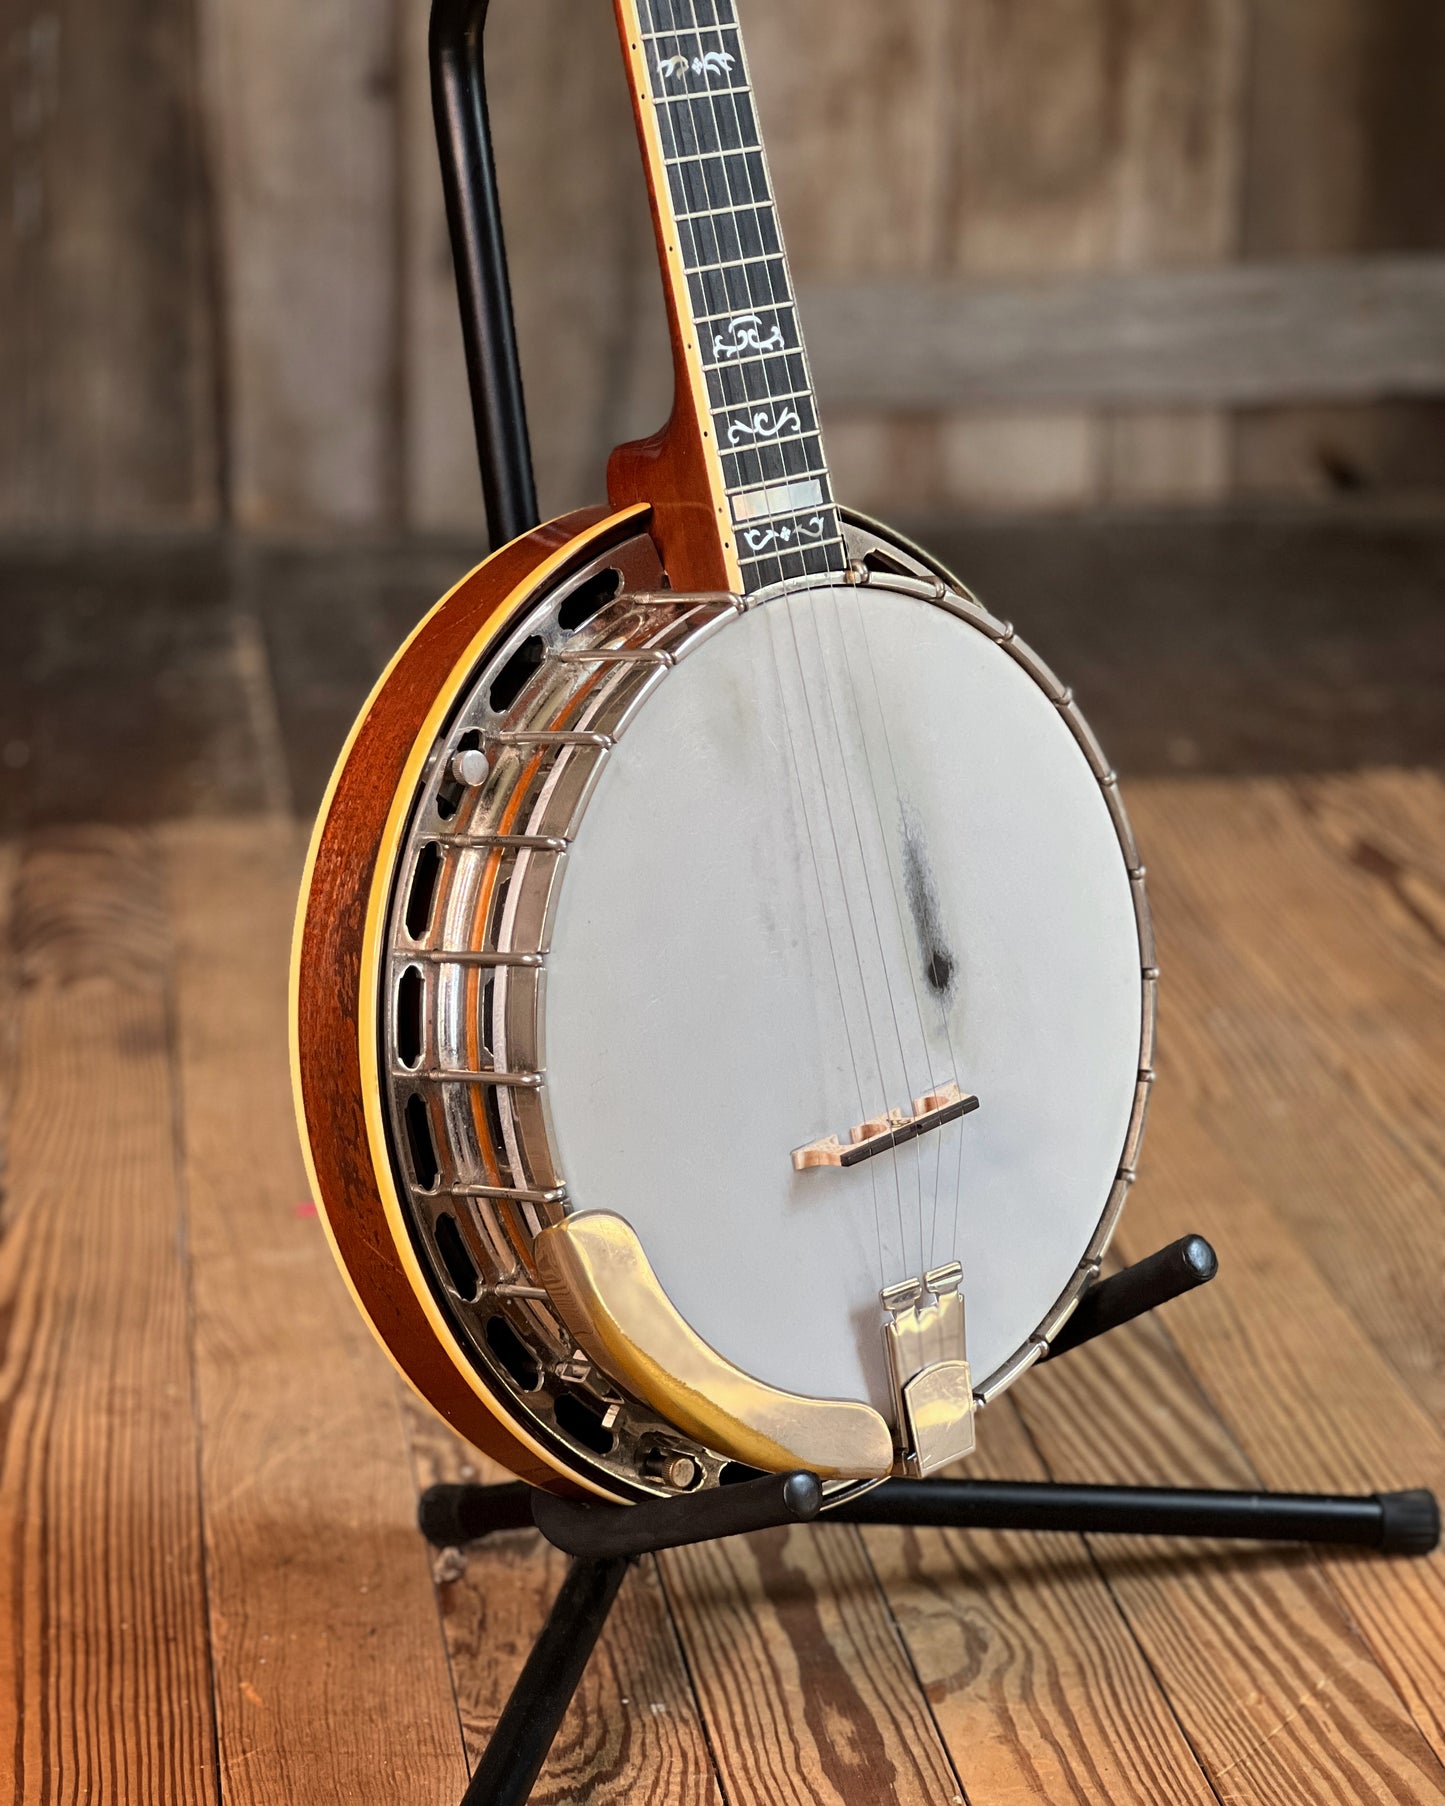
607, 1294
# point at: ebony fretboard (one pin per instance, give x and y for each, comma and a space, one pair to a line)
745, 319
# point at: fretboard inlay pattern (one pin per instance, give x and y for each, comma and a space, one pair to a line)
759, 389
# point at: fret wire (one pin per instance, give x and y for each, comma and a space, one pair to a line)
719, 24
731, 313
780, 547
793, 476
695, 30
757, 257
761, 401
763, 212
725, 212
775, 552
752, 401
670, 100
732, 451
783, 520
758, 262
741, 150
750, 398
744, 363
724, 112
740, 263
716, 111
764, 521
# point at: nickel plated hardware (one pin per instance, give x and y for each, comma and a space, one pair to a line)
470, 767
481, 956
549, 1412
600, 1281
928, 1359
551, 737
866, 1139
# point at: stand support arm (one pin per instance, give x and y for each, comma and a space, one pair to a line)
1397, 1523
1110, 1303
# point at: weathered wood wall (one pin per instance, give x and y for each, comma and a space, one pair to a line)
225, 291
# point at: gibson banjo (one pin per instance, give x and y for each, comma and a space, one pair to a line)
723, 987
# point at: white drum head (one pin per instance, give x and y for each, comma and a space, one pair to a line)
847, 852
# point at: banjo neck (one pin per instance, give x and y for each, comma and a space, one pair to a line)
737, 479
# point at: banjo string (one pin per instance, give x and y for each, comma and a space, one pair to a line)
827, 923
712, 101
897, 797
947, 1026
913, 1088
847, 900
808, 813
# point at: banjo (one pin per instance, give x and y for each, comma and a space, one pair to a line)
723, 992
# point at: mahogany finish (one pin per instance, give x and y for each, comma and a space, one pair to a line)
669, 470
328, 978
672, 470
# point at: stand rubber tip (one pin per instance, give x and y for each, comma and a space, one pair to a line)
1200, 1258
803, 1496
449, 1516
1410, 1522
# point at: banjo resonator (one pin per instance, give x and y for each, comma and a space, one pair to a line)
682, 833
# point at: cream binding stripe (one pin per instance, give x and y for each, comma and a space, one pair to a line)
604, 1289
599, 533
675, 276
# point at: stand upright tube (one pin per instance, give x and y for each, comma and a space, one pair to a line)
474, 220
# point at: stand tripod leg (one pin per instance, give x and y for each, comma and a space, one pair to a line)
452, 1515
1398, 1523
532, 1716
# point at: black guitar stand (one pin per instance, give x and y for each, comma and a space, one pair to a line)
604, 1540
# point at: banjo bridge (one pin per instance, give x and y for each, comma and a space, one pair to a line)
879, 1133
928, 1363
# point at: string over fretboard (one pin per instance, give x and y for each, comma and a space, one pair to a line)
747, 337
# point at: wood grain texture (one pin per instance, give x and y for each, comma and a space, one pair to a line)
634, 1733
228, 291
1178, 205
1126, 1671
107, 353
105, 1684
1032, 1671
1387, 825
330, 1680
855, 90
1301, 924
330, 953
589, 306
1227, 336
302, 101
1278, 1692
1093, 139
1054, 141
1342, 124
134, 646
1308, 1398
806, 1690
676, 470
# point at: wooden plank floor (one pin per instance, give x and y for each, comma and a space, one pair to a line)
208, 1473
